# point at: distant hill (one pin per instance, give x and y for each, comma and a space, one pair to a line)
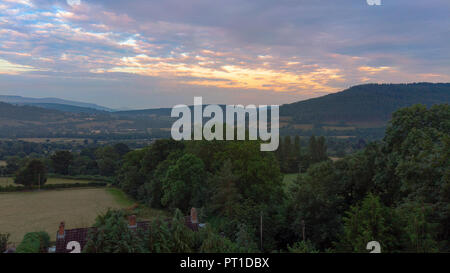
361, 104
145, 112
49, 102
360, 111
365, 104
154, 112
68, 108
35, 121
11, 112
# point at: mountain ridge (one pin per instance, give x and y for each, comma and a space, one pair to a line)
366, 103
358, 110
12, 99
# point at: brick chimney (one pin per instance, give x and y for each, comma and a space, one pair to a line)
194, 217
61, 231
132, 221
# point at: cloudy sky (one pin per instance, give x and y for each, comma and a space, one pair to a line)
146, 54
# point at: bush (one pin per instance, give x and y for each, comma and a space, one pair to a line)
97, 178
112, 235
302, 247
74, 185
10, 188
4, 239
215, 243
158, 238
34, 242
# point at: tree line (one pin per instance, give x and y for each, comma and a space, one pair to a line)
293, 158
89, 162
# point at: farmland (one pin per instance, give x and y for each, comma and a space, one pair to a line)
9, 181
24, 212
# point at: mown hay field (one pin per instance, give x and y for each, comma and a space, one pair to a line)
22, 212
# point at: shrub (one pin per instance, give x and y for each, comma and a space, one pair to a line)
98, 178
215, 243
4, 239
158, 237
303, 247
34, 242
10, 188
112, 235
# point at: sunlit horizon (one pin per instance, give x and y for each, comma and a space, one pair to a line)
147, 54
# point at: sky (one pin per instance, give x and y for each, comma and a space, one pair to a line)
139, 54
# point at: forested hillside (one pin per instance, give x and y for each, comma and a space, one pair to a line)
25, 121
68, 108
359, 112
371, 103
28, 113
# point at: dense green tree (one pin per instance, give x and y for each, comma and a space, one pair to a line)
289, 154
419, 233
107, 160
206, 151
33, 173
259, 175
417, 151
112, 235
159, 237
121, 148
287, 147
34, 242
182, 236
245, 240
226, 196
158, 152
183, 185
12, 164
89, 152
316, 205
354, 174
367, 222
215, 243
317, 149
153, 188
61, 161
297, 145
302, 247
129, 177
83, 165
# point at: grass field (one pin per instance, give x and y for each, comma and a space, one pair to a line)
339, 128
9, 181
22, 212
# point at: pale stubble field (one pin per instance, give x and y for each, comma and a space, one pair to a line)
22, 212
